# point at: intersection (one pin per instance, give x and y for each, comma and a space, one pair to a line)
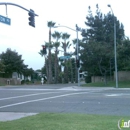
64, 99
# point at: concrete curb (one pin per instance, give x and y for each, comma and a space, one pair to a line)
8, 116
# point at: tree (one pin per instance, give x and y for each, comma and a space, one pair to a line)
65, 45
56, 35
124, 55
46, 70
48, 59
71, 70
12, 61
75, 54
28, 72
2, 67
50, 25
97, 47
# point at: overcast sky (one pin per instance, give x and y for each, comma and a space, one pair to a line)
27, 40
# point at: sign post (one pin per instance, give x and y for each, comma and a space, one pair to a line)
5, 20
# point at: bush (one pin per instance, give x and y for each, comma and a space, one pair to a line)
27, 80
23, 81
88, 79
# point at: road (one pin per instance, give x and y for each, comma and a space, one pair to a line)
65, 99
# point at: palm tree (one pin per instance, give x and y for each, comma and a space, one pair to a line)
46, 61
50, 24
65, 45
75, 53
56, 35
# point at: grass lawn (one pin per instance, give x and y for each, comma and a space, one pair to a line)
2, 84
121, 84
51, 121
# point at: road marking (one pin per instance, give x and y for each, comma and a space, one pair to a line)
42, 99
26, 95
26, 89
118, 94
111, 95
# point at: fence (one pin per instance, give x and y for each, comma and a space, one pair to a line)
100, 78
10, 81
122, 76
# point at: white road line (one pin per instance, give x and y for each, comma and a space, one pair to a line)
27, 89
30, 89
118, 94
27, 95
42, 99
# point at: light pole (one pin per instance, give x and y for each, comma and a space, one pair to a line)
77, 46
115, 52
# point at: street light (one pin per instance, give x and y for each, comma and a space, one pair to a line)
77, 46
116, 75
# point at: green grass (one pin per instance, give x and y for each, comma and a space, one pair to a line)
51, 121
2, 84
121, 84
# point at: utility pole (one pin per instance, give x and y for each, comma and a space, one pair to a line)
115, 48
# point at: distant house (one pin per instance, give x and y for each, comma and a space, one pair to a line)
15, 79
21, 77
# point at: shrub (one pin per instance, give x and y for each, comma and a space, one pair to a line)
88, 79
23, 81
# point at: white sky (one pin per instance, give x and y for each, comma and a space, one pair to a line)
27, 40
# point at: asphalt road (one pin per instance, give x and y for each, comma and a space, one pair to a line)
65, 99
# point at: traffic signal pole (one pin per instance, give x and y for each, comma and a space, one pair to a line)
8, 3
31, 12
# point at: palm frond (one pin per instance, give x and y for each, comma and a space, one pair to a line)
65, 36
56, 35
41, 52
50, 24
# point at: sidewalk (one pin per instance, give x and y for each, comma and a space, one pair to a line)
8, 116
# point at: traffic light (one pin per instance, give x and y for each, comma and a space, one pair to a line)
44, 50
77, 63
31, 18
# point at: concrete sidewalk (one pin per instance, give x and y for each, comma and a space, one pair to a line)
8, 116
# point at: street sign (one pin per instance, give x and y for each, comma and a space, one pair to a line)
64, 57
5, 20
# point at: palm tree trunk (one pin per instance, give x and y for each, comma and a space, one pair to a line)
65, 68
49, 58
47, 71
71, 69
56, 67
